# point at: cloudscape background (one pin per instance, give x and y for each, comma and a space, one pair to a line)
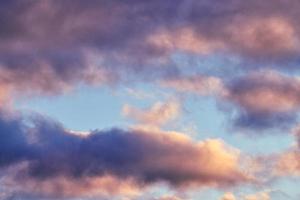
149, 100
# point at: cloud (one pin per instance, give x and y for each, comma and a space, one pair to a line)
44, 153
104, 187
264, 99
248, 36
264, 37
288, 164
40, 77
169, 197
268, 92
158, 114
50, 46
185, 40
228, 196
258, 196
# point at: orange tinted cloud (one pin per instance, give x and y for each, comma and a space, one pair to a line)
61, 162
158, 114
258, 196
288, 164
228, 196
169, 197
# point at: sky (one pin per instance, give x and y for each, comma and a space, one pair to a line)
149, 100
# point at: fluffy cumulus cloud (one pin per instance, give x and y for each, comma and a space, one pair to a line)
59, 162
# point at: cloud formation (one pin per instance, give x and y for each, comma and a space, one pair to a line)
263, 99
49, 46
49, 154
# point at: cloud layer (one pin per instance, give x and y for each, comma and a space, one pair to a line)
49, 46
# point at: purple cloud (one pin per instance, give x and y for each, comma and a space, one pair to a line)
52, 154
